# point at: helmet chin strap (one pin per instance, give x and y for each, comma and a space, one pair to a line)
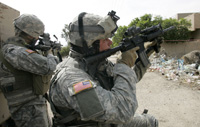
81, 33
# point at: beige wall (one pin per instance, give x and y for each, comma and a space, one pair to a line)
193, 17
180, 49
197, 20
7, 14
4, 112
182, 15
195, 34
192, 20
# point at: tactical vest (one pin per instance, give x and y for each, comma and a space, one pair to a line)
68, 117
26, 85
104, 79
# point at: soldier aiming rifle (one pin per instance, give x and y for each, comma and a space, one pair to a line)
45, 44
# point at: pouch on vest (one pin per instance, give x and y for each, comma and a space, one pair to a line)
41, 84
6, 84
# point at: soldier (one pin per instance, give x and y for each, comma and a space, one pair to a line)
31, 73
100, 94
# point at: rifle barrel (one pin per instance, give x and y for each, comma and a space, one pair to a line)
169, 28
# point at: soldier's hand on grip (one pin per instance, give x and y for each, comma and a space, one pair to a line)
148, 45
129, 57
156, 43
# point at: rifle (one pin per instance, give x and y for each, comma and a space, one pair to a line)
134, 37
46, 44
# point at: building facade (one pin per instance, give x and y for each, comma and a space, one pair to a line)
194, 18
7, 14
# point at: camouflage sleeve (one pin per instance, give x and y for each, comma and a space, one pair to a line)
119, 104
140, 70
27, 60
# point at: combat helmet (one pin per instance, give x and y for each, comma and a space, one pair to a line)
86, 28
30, 24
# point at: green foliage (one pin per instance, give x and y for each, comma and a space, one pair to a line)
118, 36
64, 33
65, 51
146, 21
181, 31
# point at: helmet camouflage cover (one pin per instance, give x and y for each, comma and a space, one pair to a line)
30, 24
95, 28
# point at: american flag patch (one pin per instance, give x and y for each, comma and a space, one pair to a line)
78, 87
30, 51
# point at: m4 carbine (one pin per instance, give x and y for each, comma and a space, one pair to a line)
134, 37
45, 44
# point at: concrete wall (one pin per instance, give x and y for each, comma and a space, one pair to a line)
179, 49
194, 18
7, 14
195, 21
4, 112
182, 15
195, 34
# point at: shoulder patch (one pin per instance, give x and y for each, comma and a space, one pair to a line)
29, 51
78, 87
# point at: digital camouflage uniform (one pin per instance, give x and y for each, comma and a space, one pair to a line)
26, 107
4, 73
105, 107
100, 94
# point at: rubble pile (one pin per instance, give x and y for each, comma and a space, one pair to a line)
176, 69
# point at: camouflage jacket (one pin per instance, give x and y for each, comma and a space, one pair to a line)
73, 88
29, 66
25, 59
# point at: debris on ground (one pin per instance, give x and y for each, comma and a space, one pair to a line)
191, 57
184, 72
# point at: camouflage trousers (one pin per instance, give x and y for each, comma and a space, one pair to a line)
32, 114
141, 120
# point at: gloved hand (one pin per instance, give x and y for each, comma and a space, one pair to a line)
148, 45
129, 57
156, 43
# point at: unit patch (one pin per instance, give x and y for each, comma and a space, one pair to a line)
78, 87
30, 51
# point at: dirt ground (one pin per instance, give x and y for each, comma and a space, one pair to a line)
174, 105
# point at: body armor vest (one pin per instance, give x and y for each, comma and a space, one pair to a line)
105, 80
25, 84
